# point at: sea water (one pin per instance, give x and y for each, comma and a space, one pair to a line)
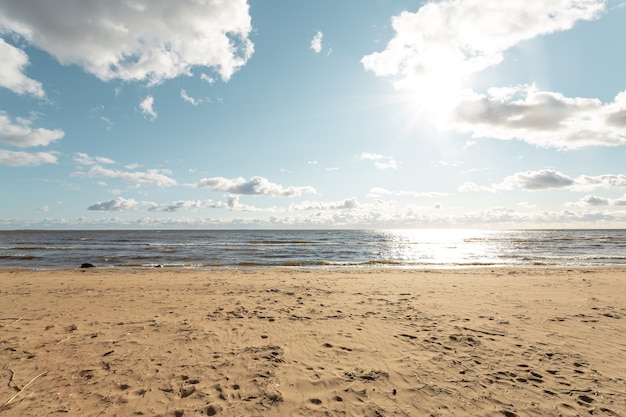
206, 249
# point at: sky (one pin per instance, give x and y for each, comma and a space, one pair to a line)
118, 114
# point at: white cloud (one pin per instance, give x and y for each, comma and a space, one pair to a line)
537, 180
548, 179
122, 204
595, 201
380, 191
380, 161
25, 159
253, 186
187, 205
542, 118
20, 134
207, 78
12, 76
436, 49
151, 176
44, 209
84, 159
316, 42
118, 204
134, 165
380, 214
347, 204
136, 40
467, 187
442, 163
108, 122
188, 99
147, 108
590, 200
446, 41
235, 205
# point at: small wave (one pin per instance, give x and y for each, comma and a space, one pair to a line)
28, 248
281, 242
382, 262
20, 257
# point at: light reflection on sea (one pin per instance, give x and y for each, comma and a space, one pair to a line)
438, 247
417, 248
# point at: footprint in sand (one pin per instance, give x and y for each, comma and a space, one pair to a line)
212, 410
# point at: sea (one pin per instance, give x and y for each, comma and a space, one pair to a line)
316, 249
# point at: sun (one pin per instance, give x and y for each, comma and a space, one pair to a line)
433, 93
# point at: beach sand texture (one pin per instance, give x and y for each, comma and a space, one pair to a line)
288, 342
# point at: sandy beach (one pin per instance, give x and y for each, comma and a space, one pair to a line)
288, 342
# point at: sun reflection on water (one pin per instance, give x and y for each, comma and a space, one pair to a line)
440, 247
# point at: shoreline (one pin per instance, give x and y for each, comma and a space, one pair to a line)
274, 341
322, 268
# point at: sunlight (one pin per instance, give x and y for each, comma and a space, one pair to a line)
439, 246
432, 95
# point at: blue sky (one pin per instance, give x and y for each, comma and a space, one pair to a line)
302, 114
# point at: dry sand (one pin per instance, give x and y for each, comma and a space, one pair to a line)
283, 342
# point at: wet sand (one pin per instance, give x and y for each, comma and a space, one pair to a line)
288, 342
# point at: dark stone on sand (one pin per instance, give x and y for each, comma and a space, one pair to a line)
87, 265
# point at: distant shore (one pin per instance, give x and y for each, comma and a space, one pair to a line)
283, 341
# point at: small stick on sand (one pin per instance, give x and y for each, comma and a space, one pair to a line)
484, 332
24, 387
61, 341
17, 387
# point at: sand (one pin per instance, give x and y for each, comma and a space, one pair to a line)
289, 342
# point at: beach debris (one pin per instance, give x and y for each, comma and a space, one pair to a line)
187, 391
24, 388
363, 375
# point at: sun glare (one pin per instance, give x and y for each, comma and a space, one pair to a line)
428, 103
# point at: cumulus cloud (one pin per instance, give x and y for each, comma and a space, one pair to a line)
187, 205
595, 201
543, 118
118, 204
152, 176
26, 159
235, 205
21, 134
449, 40
347, 204
136, 40
436, 49
380, 161
253, 186
380, 191
590, 200
121, 204
316, 42
147, 108
537, 180
548, 179
380, 214
12, 76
